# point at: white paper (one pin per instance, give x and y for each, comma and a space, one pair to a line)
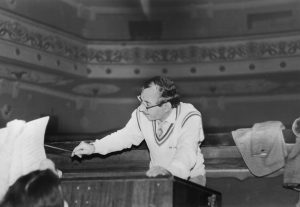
22, 149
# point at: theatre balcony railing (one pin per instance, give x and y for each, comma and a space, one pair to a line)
222, 157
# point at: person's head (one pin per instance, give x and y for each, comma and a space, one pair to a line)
296, 127
40, 188
158, 97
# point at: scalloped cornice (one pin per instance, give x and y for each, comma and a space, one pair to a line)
197, 53
21, 34
151, 54
39, 45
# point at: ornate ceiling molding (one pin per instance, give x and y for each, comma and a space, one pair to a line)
18, 30
21, 34
46, 47
196, 53
233, 50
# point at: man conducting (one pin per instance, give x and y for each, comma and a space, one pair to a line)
172, 131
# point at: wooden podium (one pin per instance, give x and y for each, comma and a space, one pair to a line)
137, 191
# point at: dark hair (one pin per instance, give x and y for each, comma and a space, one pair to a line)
167, 89
40, 188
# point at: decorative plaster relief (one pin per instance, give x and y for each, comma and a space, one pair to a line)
196, 53
89, 96
21, 34
32, 76
155, 53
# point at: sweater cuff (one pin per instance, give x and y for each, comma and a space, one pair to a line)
99, 147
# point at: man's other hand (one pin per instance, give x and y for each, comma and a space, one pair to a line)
157, 170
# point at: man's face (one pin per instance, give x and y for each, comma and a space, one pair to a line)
151, 97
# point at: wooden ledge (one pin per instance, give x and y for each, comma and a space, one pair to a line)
219, 162
222, 157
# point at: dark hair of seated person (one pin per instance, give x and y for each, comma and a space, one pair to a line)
40, 188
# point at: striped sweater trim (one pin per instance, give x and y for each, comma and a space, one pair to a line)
138, 119
189, 115
178, 110
161, 140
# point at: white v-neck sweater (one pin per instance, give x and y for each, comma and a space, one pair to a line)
177, 150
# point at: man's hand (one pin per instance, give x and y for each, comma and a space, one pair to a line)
49, 164
83, 149
157, 170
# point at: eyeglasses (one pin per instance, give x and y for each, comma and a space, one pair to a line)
149, 107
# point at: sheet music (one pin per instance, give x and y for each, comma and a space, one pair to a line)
22, 148
33, 151
5, 158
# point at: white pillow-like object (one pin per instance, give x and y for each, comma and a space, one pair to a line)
21, 150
